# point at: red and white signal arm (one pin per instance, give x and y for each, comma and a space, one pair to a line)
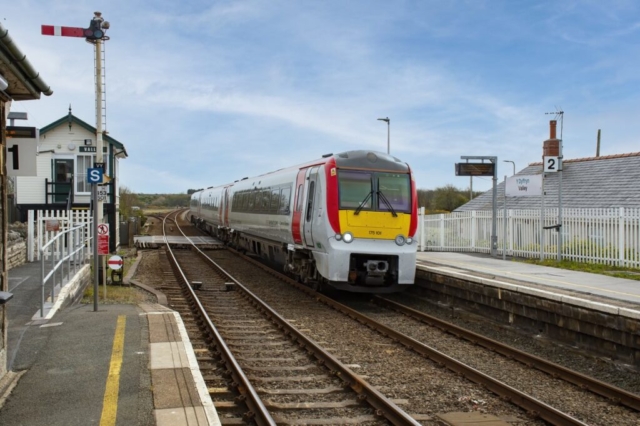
115, 262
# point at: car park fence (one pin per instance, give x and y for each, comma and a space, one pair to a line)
609, 236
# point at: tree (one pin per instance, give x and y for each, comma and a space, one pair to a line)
448, 198
127, 200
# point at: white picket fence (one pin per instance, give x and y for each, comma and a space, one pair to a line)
610, 236
44, 225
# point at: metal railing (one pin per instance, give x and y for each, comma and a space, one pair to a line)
609, 236
68, 247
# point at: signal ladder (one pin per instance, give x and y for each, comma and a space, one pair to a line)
103, 107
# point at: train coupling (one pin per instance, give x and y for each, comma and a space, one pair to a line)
376, 268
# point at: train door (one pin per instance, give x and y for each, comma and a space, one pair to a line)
298, 207
226, 206
310, 205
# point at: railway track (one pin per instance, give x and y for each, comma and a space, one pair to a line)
306, 360
533, 406
296, 381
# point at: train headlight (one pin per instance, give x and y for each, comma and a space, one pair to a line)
338, 237
409, 240
400, 240
347, 237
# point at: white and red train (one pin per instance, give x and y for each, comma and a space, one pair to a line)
346, 220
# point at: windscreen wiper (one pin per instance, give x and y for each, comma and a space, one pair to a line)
361, 206
384, 199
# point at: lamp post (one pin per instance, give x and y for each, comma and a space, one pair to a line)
388, 133
514, 165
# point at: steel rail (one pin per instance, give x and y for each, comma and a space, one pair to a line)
606, 390
250, 397
533, 406
384, 406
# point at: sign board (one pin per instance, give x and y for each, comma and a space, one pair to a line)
475, 169
52, 225
103, 192
21, 151
103, 244
20, 132
524, 186
115, 262
88, 149
551, 164
103, 229
94, 175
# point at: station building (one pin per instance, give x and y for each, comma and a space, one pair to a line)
54, 175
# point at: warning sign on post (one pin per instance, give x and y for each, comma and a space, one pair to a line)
115, 262
103, 245
103, 229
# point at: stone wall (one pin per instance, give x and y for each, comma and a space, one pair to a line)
17, 245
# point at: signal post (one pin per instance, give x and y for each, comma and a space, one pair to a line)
94, 34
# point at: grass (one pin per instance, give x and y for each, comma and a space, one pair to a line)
593, 268
117, 294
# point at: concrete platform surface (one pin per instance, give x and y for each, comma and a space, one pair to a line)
581, 282
122, 365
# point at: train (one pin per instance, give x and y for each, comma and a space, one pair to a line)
345, 221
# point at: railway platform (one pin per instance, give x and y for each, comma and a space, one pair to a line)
121, 365
617, 290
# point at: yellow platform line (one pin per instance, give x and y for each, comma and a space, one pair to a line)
110, 402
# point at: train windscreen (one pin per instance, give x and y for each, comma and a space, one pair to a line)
355, 189
396, 189
384, 191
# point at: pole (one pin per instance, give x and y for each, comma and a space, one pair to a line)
470, 188
494, 236
542, 221
388, 136
96, 263
559, 229
504, 220
100, 144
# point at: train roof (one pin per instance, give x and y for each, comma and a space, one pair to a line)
357, 159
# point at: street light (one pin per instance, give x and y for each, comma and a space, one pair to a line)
388, 133
514, 165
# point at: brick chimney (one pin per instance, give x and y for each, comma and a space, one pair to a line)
551, 147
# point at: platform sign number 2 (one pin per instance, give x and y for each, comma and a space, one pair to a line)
551, 164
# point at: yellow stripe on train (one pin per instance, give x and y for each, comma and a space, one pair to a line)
380, 225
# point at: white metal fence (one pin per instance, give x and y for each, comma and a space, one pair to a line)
610, 236
44, 225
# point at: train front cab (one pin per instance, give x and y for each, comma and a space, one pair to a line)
371, 219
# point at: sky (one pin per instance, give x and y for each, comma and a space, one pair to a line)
202, 93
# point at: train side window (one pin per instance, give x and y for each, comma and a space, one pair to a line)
285, 198
299, 200
266, 200
312, 187
252, 199
275, 201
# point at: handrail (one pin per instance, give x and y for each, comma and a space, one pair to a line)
78, 236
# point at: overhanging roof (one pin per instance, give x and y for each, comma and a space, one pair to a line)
75, 120
24, 81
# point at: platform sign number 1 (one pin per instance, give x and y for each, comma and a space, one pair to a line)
551, 164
